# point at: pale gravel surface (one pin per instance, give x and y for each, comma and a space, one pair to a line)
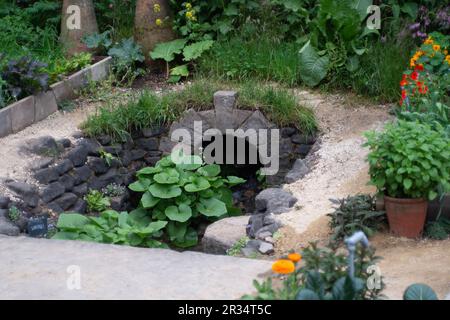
339, 166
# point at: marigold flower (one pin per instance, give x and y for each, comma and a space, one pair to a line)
283, 266
436, 47
446, 52
294, 257
429, 41
403, 83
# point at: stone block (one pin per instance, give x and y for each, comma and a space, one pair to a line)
5, 122
44, 105
100, 70
63, 91
22, 113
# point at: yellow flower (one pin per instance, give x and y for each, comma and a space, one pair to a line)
445, 52
436, 47
156, 7
188, 6
158, 22
283, 266
189, 14
412, 63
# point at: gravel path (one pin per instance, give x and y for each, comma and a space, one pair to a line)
339, 166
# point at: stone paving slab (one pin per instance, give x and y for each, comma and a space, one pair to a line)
38, 269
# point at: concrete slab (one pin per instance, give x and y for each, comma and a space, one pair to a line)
42, 269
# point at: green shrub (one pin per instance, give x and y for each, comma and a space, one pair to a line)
96, 201
63, 67
185, 194
355, 213
134, 229
438, 230
409, 160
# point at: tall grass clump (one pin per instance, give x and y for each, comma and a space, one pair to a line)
147, 110
261, 59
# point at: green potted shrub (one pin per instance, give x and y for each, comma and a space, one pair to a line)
409, 164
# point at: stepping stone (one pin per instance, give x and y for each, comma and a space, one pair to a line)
41, 269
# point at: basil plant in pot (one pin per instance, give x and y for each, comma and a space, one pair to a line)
409, 164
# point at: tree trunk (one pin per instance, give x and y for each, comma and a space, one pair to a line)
78, 20
147, 32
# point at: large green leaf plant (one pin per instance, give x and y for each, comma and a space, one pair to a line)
185, 194
336, 41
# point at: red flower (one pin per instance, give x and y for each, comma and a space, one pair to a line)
414, 75
404, 95
419, 67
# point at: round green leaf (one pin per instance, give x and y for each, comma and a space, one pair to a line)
140, 186
164, 191
181, 213
233, 181
211, 207
168, 176
197, 184
148, 200
419, 292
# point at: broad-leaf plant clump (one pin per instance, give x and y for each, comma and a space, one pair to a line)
184, 194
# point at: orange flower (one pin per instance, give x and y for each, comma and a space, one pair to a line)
436, 47
429, 41
403, 83
294, 257
283, 266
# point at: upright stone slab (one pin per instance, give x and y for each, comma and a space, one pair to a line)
224, 106
45, 105
62, 90
22, 113
5, 122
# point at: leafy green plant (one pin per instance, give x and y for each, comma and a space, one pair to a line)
126, 54
184, 194
438, 230
167, 51
409, 160
14, 214
24, 77
3, 93
238, 246
345, 288
64, 66
134, 229
337, 40
96, 201
108, 157
353, 214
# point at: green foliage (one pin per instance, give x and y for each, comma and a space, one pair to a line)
255, 58
419, 291
126, 54
313, 68
238, 246
3, 93
96, 201
323, 275
64, 67
14, 214
134, 229
117, 16
438, 230
184, 194
409, 160
108, 157
24, 77
345, 288
353, 214
167, 51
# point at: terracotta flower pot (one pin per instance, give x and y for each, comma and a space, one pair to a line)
406, 216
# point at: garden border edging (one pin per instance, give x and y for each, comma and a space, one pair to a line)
29, 110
